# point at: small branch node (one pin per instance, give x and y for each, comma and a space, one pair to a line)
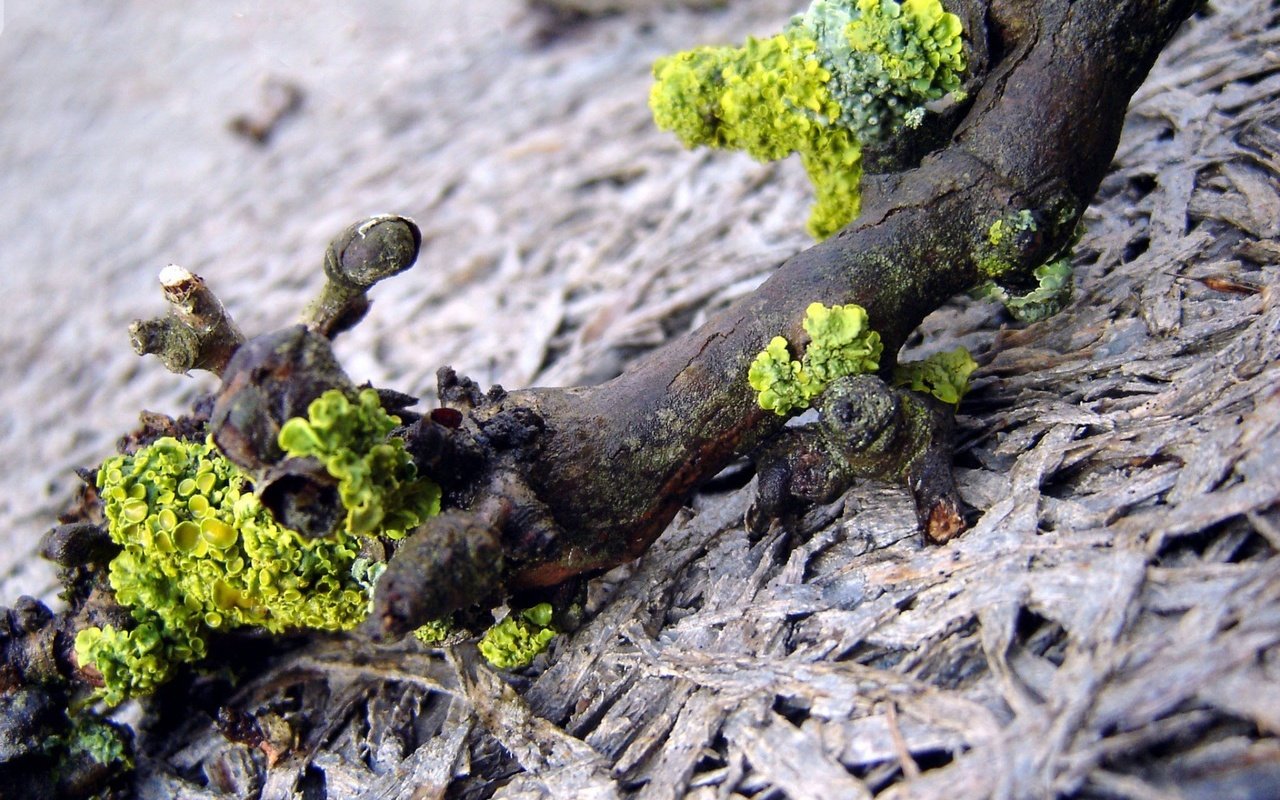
362, 255
198, 333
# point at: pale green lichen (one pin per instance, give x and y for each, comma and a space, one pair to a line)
842, 75
200, 553
1051, 295
517, 640
886, 60
944, 375
841, 343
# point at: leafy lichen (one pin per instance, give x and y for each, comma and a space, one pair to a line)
840, 344
944, 375
434, 632
840, 76
200, 553
517, 640
377, 481
1051, 295
886, 60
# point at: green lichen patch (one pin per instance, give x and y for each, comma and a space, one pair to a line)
434, 632
768, 98
200, 553
943, 375
103, 742
886, 60
517, 640
841, 343
840, 76
377, 480
1007, 240
1052, 293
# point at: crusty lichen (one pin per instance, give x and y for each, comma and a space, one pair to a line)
944, 375
840, 344
840, 76
517, 640
1007, 239
200, 552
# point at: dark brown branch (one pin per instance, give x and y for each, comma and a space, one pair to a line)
615, 462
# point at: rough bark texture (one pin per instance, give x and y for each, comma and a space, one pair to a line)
1106, 629
614, 463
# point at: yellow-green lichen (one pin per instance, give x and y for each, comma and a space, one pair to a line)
517, 640
1005, 243
840, 344
1051, 295
434, 632
768, 98
840, 76
944, 375
101, 741
377, 480
200, 553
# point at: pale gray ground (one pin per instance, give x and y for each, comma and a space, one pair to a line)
1108, 627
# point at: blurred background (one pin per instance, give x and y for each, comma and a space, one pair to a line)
564, 234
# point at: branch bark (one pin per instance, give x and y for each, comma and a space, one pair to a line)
569, 481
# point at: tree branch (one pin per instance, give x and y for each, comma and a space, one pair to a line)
615, 462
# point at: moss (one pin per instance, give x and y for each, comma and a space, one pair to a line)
840, 76
517, 640
840, 344
201, 554
943, 375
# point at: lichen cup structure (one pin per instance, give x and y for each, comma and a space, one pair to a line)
541, 487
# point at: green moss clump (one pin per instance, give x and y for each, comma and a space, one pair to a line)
840, 76
841, 343
943, 375
201, 554
517, 640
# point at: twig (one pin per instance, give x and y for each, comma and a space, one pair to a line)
198, 333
